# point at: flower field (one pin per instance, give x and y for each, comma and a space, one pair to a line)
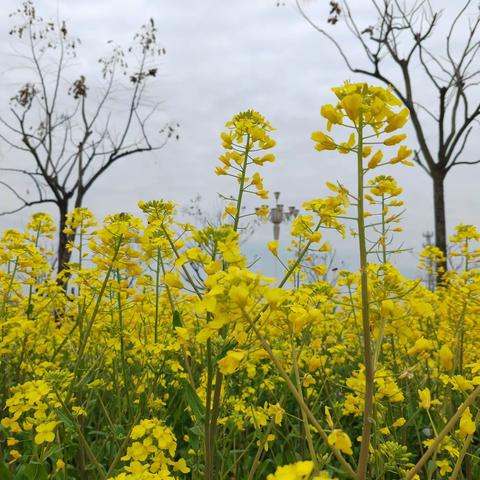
160, 353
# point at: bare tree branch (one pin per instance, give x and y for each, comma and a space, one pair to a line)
399, 35
71, 146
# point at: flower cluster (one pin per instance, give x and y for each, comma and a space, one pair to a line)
151, 453
359, 106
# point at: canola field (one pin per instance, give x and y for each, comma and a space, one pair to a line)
160, 353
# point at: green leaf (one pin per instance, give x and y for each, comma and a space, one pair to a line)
196, 434
4, 472
66, 420
177, 319
32, 471
193, 401
431, 467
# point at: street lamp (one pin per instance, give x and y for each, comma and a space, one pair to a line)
278, 215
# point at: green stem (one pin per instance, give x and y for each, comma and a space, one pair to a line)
242, 183
384, 233
306, 424
88, 330
208, 406
367, 345
122, 344
157, 296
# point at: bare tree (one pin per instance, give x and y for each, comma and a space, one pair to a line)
65, 137
400, 38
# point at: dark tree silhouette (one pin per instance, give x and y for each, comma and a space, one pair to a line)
400, 36
65, 136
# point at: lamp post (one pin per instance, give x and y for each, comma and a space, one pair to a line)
278, 215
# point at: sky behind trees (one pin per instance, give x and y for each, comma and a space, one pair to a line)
224, 56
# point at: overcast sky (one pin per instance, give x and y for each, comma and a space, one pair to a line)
224, 56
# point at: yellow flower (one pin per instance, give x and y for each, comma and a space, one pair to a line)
239, 295
421, 345
137, 451
15, 455
445, 356
274, 297
277, 412
273, 247
328, 417
323, 142
181, 466
220, 171
397, 121
263, 194
387, 308
172, 279
333, 115
262, 212
138, 431
425, 398
257, 181
400, 422
366, 151
402, 155
227, 140
460, 383
269, 157
352, 105
376, 159
230, 363
444, 467
341, 441
394, 139
230, 209
467, 425
45, 432
295, 471
79, 411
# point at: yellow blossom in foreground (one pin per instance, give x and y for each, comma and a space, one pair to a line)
425, 398
340, 440
230, 363
444, 467
45, 432
467, 425
400, 422
295, 471
445, 356
239, 295
421, 345
323, 142
173, 280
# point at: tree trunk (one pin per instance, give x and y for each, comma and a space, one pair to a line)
63, 254
438, 178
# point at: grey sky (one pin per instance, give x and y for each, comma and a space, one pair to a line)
224, 56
